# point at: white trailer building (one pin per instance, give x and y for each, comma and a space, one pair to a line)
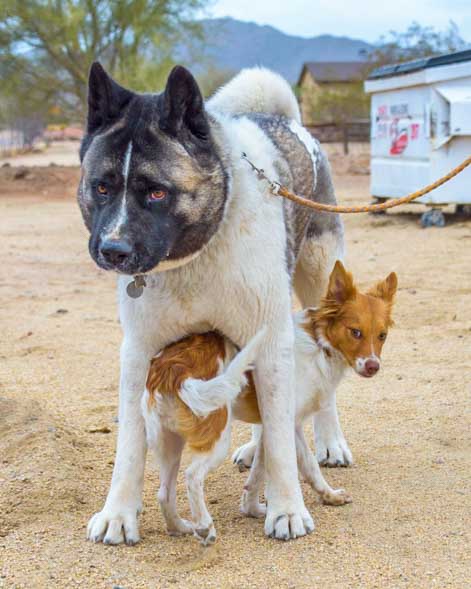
421, 129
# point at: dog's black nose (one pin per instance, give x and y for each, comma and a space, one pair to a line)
115, 251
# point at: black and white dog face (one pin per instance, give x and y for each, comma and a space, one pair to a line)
153, 186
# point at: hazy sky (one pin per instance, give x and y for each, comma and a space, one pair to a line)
364, 19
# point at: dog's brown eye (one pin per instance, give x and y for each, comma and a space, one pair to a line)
356, 333
101, 189
382, 336
157, 195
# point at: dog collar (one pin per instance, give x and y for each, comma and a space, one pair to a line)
136, 287
320, 340
321, 345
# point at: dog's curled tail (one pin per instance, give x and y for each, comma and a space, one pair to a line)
205, 396
256, 90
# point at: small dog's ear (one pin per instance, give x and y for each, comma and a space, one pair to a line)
386, 289
341, 287
183, 105
106, 98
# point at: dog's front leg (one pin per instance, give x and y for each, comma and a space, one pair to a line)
117, 521
311, 472
287, 516
331, 446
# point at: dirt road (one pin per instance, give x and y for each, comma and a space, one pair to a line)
408, 428
58, 153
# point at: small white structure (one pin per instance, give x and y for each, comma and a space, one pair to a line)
421, 129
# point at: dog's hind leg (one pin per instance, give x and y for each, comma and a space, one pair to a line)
250, 503
314, 265
310, 471
323, 243
201, 464
244, 455
170, 446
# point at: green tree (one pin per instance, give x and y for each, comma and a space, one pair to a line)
415, 43
47, 46
213, 78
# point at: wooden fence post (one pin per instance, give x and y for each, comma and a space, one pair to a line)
345, 138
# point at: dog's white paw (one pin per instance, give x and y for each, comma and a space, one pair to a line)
243, 456
333, 452
114, 526
288, 526
180, 527
336, 497
331, 446
250, 506
206, 535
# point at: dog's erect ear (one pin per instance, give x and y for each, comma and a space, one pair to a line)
183, 105
386, 289
106, 98
341, 287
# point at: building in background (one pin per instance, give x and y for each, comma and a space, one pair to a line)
331, 78
334, 105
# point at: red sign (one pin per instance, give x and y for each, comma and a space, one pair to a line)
399, 138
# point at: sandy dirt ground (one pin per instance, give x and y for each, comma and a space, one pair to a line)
58, 153
408, 428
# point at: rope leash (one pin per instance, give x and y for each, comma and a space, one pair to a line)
278, 189
136, 287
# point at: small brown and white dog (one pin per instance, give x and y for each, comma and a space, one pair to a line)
198, 385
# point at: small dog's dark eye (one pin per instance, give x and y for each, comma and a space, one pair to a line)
382, 336
102, 190
157, 194
356, 333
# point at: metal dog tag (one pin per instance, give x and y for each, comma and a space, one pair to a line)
136, 287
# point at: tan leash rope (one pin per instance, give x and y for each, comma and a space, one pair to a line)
277, 188
136, 287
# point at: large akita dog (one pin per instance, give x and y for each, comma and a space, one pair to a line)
164, 192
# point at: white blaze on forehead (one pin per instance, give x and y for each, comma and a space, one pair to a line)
121, 218
126, 165
310, 143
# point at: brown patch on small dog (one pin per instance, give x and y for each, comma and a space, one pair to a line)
246, 407
196, 356
201, 433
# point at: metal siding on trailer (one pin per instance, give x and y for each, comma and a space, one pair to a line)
420, 130
400, 144
459, 99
